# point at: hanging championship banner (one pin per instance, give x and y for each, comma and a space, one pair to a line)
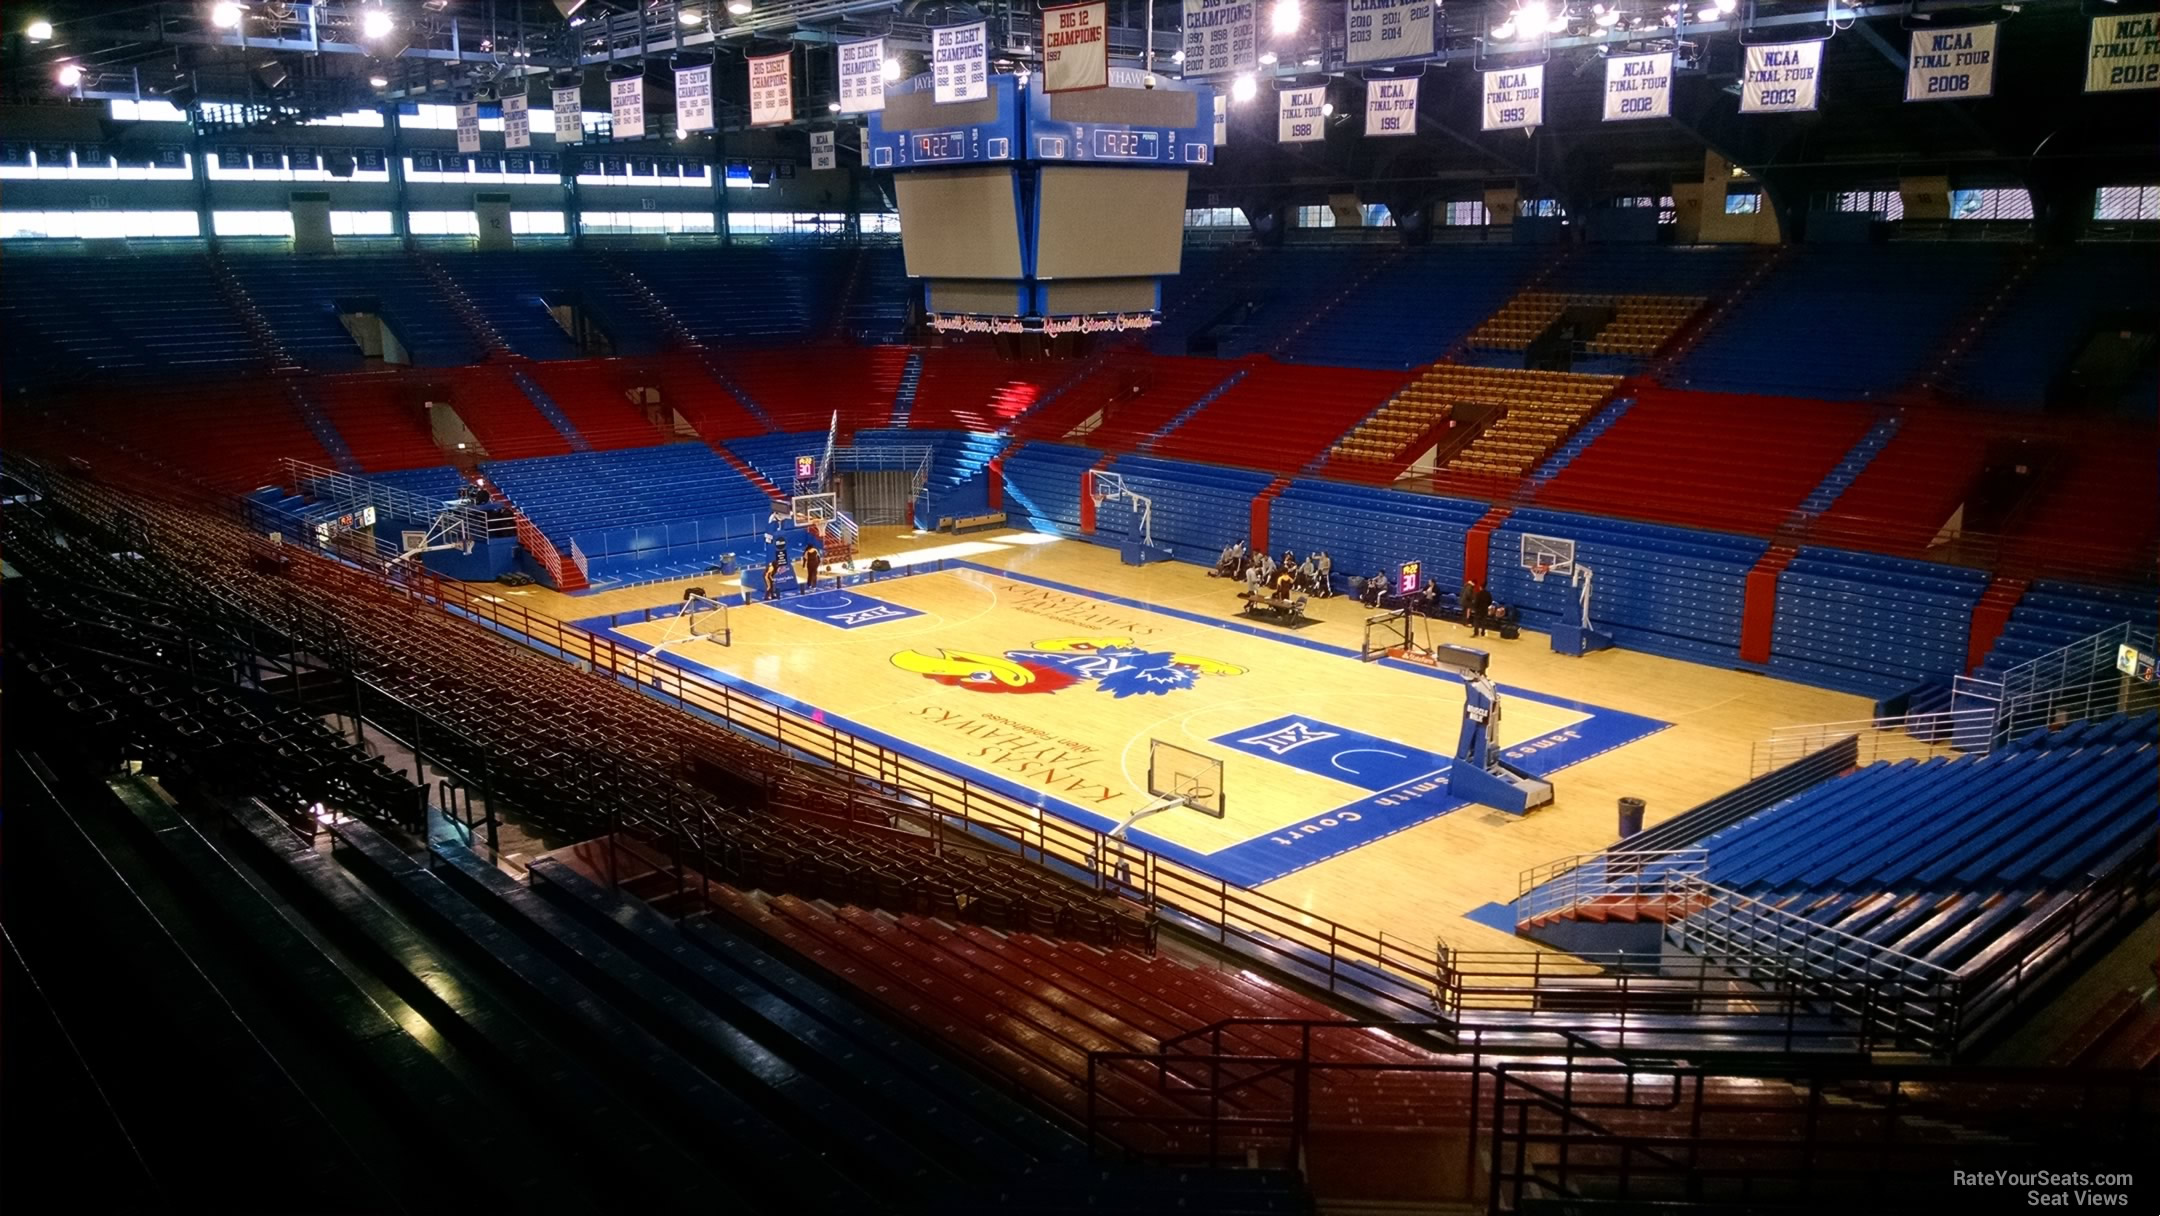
862, 76
1781, 78
569, 114
1948, 65
821, 150
1298, 117
468, 126
1638, 86
1222, 120
626, 98
772, 90
517, 122
1076, 47
960, 63
693, 99
2124, 53
1221, 36
1383, 30
1515, 99
1391, 105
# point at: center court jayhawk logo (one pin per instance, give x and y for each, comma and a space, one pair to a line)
1116, 665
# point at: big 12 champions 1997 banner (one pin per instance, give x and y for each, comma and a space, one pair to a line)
1076, 47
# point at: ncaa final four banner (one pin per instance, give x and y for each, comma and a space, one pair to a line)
1380, 31
1781, 78
862, 76
1950, 65
517, 121
2124, 53
1391, 105
960, 63
1298, 116
821, 150
772, 90
626, 101
1515, 99
1638, 86
1221, 36
1076, 47
570, 114
693, 99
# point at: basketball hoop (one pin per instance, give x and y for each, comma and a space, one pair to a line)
1097, 491
1540, 570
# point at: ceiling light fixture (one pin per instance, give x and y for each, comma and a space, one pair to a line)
225, 15
375, 23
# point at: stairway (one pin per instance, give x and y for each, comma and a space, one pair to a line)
670, 324
550, 411
259, 329
1849, 467
1185, 415
1991, 614
749, 403
1477, 544
904, 398
1692, 333
484, 330
1974, 324
325, 431
1758, 613
1349, 290
1583, 437
561, 571
845, 300
749, 471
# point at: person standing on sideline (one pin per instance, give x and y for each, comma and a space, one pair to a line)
811, 559
772, 577
1477, 609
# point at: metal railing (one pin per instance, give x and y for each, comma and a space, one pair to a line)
345, 490
1619, 876
1922, 736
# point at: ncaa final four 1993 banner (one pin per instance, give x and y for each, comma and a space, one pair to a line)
1076, 47
2124, 53
1781, 78
1381, 31
1515, 98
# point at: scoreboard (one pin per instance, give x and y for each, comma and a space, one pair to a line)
1026, 211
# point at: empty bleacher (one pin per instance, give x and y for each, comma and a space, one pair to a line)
519, 292
1536, 409
1125, 398
634, 511
1277, 416
1197, 508
1414, 308
1247, 303
1040, 486
801, 389
1872, 624
234, 436
1639, 326
71, 318
2024, 349
1709, 460
2053, 614
1843, 322
594, 395
1365, 530
304, 298
972, 389
746, 295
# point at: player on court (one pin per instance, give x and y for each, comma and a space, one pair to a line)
811, 559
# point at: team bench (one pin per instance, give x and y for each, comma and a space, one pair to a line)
1287, 609
971, 523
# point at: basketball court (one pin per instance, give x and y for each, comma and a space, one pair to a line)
1051, 672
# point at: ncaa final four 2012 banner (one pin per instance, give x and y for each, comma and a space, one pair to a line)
2124, 53
1076, 47
1298, 115
1391, 105
1950, 65
517, 120
693, 99
569, 114
1515, 98
1781, 78
960, 63
626, 100
1638, 86
1381, 31
1221, 36
772, 90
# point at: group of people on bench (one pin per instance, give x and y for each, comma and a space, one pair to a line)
1472, 606
1314, 576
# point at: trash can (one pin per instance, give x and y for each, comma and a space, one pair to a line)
1631, 813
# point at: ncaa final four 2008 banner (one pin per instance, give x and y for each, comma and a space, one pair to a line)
1638, 86
1781, 78
1076, 47
1949, 65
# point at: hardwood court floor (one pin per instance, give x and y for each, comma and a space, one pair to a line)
892, 658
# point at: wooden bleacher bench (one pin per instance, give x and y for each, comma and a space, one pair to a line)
971, 523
